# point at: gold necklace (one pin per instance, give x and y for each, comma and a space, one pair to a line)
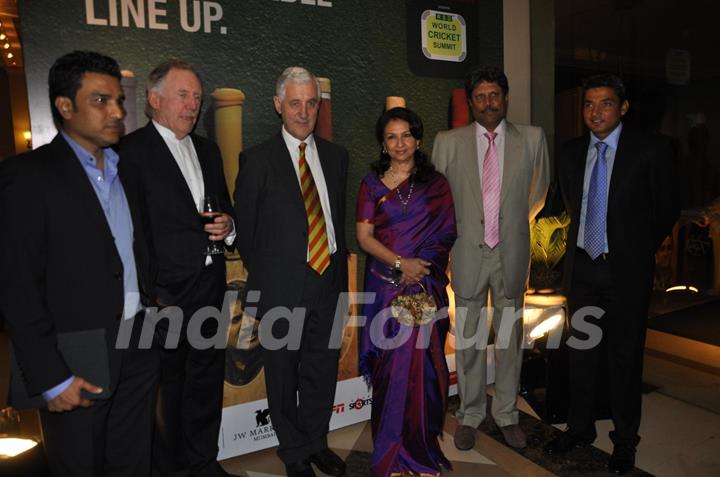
403, 200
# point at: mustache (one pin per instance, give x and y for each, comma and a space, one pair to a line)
490, 110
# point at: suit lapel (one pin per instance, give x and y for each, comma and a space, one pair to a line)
328, 170
203, 159
76, 178
512, 160
285, 170
576, 173
469, 154
621, 166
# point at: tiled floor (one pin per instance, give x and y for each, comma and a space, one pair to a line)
680, 437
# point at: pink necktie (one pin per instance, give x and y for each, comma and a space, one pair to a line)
491, 192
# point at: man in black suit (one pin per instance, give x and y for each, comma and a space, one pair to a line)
292, 241
174, 170
617, 186
74, 258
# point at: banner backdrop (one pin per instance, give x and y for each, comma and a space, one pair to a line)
240, 47
360, 46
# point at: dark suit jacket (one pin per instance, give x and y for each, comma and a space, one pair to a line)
60, 268
177, 230
642, 204
272, 221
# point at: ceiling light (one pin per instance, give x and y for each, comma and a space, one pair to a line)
2, 36
6, 45
10, 56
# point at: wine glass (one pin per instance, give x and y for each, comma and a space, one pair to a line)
211, 210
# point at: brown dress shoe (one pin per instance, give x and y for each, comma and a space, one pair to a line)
464, 437
514, 436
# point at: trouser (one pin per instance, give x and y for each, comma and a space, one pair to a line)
301, 382
189, 405
113, 437
473, 319
620, 350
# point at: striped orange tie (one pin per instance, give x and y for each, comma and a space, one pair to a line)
318, 247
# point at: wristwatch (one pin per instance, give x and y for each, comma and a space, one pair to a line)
398, 262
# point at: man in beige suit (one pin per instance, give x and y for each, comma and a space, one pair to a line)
499, 174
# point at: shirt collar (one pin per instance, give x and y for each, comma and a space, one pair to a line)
480, 130
611, 140
167, 134
293, 143
110, 156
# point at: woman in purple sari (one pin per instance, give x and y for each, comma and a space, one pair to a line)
406, 224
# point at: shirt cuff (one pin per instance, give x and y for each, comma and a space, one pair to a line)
54, 392
230, 238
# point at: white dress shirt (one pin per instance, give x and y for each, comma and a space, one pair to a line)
313, 161
183, 151
483, 144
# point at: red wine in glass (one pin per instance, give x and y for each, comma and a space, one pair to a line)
210, 206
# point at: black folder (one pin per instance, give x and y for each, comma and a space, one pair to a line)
86, 354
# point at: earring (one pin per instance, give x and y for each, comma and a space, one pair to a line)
384, 151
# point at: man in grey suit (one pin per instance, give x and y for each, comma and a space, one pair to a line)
499, 175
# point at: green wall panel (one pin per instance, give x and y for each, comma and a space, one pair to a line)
359, 44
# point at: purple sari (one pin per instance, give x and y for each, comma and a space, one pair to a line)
410, 382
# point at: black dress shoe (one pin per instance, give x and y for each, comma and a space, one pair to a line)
565, 442
622, 460
329, 462
300, 468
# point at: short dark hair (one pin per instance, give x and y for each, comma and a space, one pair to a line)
423, 166
605, 80
65, 77
486, 74
157, 76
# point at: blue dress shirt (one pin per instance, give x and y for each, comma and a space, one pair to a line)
111, 195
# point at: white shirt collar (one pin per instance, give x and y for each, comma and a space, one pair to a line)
293, 143
167, 134
480, 130
611, 140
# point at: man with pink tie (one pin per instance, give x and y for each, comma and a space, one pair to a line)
499, 175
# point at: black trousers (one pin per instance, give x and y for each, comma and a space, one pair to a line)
189, 404
301, 383
620, 351
112, 438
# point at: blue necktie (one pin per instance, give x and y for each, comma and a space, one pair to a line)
596, 213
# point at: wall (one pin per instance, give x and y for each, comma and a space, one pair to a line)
7, 144
516, 41
360, 46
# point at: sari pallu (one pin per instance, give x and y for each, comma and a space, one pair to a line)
404, 364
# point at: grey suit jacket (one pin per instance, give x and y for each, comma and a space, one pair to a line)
526, 176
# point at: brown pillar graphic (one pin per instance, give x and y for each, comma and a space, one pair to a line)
129, 85
323, 127
229, 130
394, 102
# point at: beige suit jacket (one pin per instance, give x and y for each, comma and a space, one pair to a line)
525, 181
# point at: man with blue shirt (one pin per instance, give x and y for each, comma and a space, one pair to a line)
617, 186
74, 258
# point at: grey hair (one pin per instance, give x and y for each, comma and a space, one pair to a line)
297, 75
156, 79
